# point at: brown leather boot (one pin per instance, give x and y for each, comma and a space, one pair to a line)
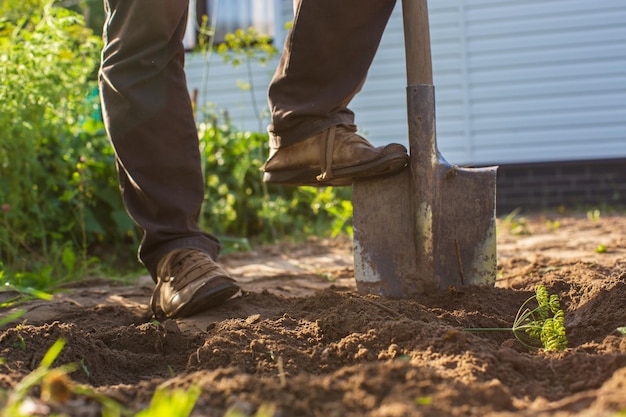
189, 282
335, 157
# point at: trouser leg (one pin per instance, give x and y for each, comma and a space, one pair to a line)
325, 61
149, 119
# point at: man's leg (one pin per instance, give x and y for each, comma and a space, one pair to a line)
149, 118
324, 64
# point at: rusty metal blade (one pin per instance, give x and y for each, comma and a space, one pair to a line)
431, 226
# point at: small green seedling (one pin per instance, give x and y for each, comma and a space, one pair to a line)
594, 215
172, 402
21, 343
516, 225
540, 327
327, 276
553, 225
423, 401
56, 386
83, 366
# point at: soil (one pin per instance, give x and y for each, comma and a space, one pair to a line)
301, 341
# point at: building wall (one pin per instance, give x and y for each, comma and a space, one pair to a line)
569, 184
516, 81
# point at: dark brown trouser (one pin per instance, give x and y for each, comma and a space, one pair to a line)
148, 114
324, 64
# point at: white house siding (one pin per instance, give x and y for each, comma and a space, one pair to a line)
217, 86
515, 80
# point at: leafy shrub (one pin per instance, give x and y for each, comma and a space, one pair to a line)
49, 141
239, 204
59, 196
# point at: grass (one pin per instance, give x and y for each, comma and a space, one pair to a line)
56, 387
22, 294
11, 317
516, 224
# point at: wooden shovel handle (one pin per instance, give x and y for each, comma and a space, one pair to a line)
417, 42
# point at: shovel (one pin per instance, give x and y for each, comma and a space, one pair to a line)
431, 226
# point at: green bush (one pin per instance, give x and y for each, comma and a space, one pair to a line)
59, 197
239, 204
53, 153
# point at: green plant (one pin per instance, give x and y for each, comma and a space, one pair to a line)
47, 57
247, 46
423, 401
594, 215
21, 295
21, 344
265, 410
515, 224
239, 204
58, 185
601, 248
553, 225
61, 211
174, 403
56, 386
11, 317
538, 327
19, 394
92, 10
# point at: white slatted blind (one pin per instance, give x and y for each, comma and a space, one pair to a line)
515, 80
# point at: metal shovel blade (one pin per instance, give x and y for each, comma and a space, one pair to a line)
428, 227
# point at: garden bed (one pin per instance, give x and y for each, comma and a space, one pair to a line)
302, 341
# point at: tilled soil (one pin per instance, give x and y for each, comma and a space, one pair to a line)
301, 341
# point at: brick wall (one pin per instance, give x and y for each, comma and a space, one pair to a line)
538, 186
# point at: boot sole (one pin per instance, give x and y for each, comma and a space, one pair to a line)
342, 176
